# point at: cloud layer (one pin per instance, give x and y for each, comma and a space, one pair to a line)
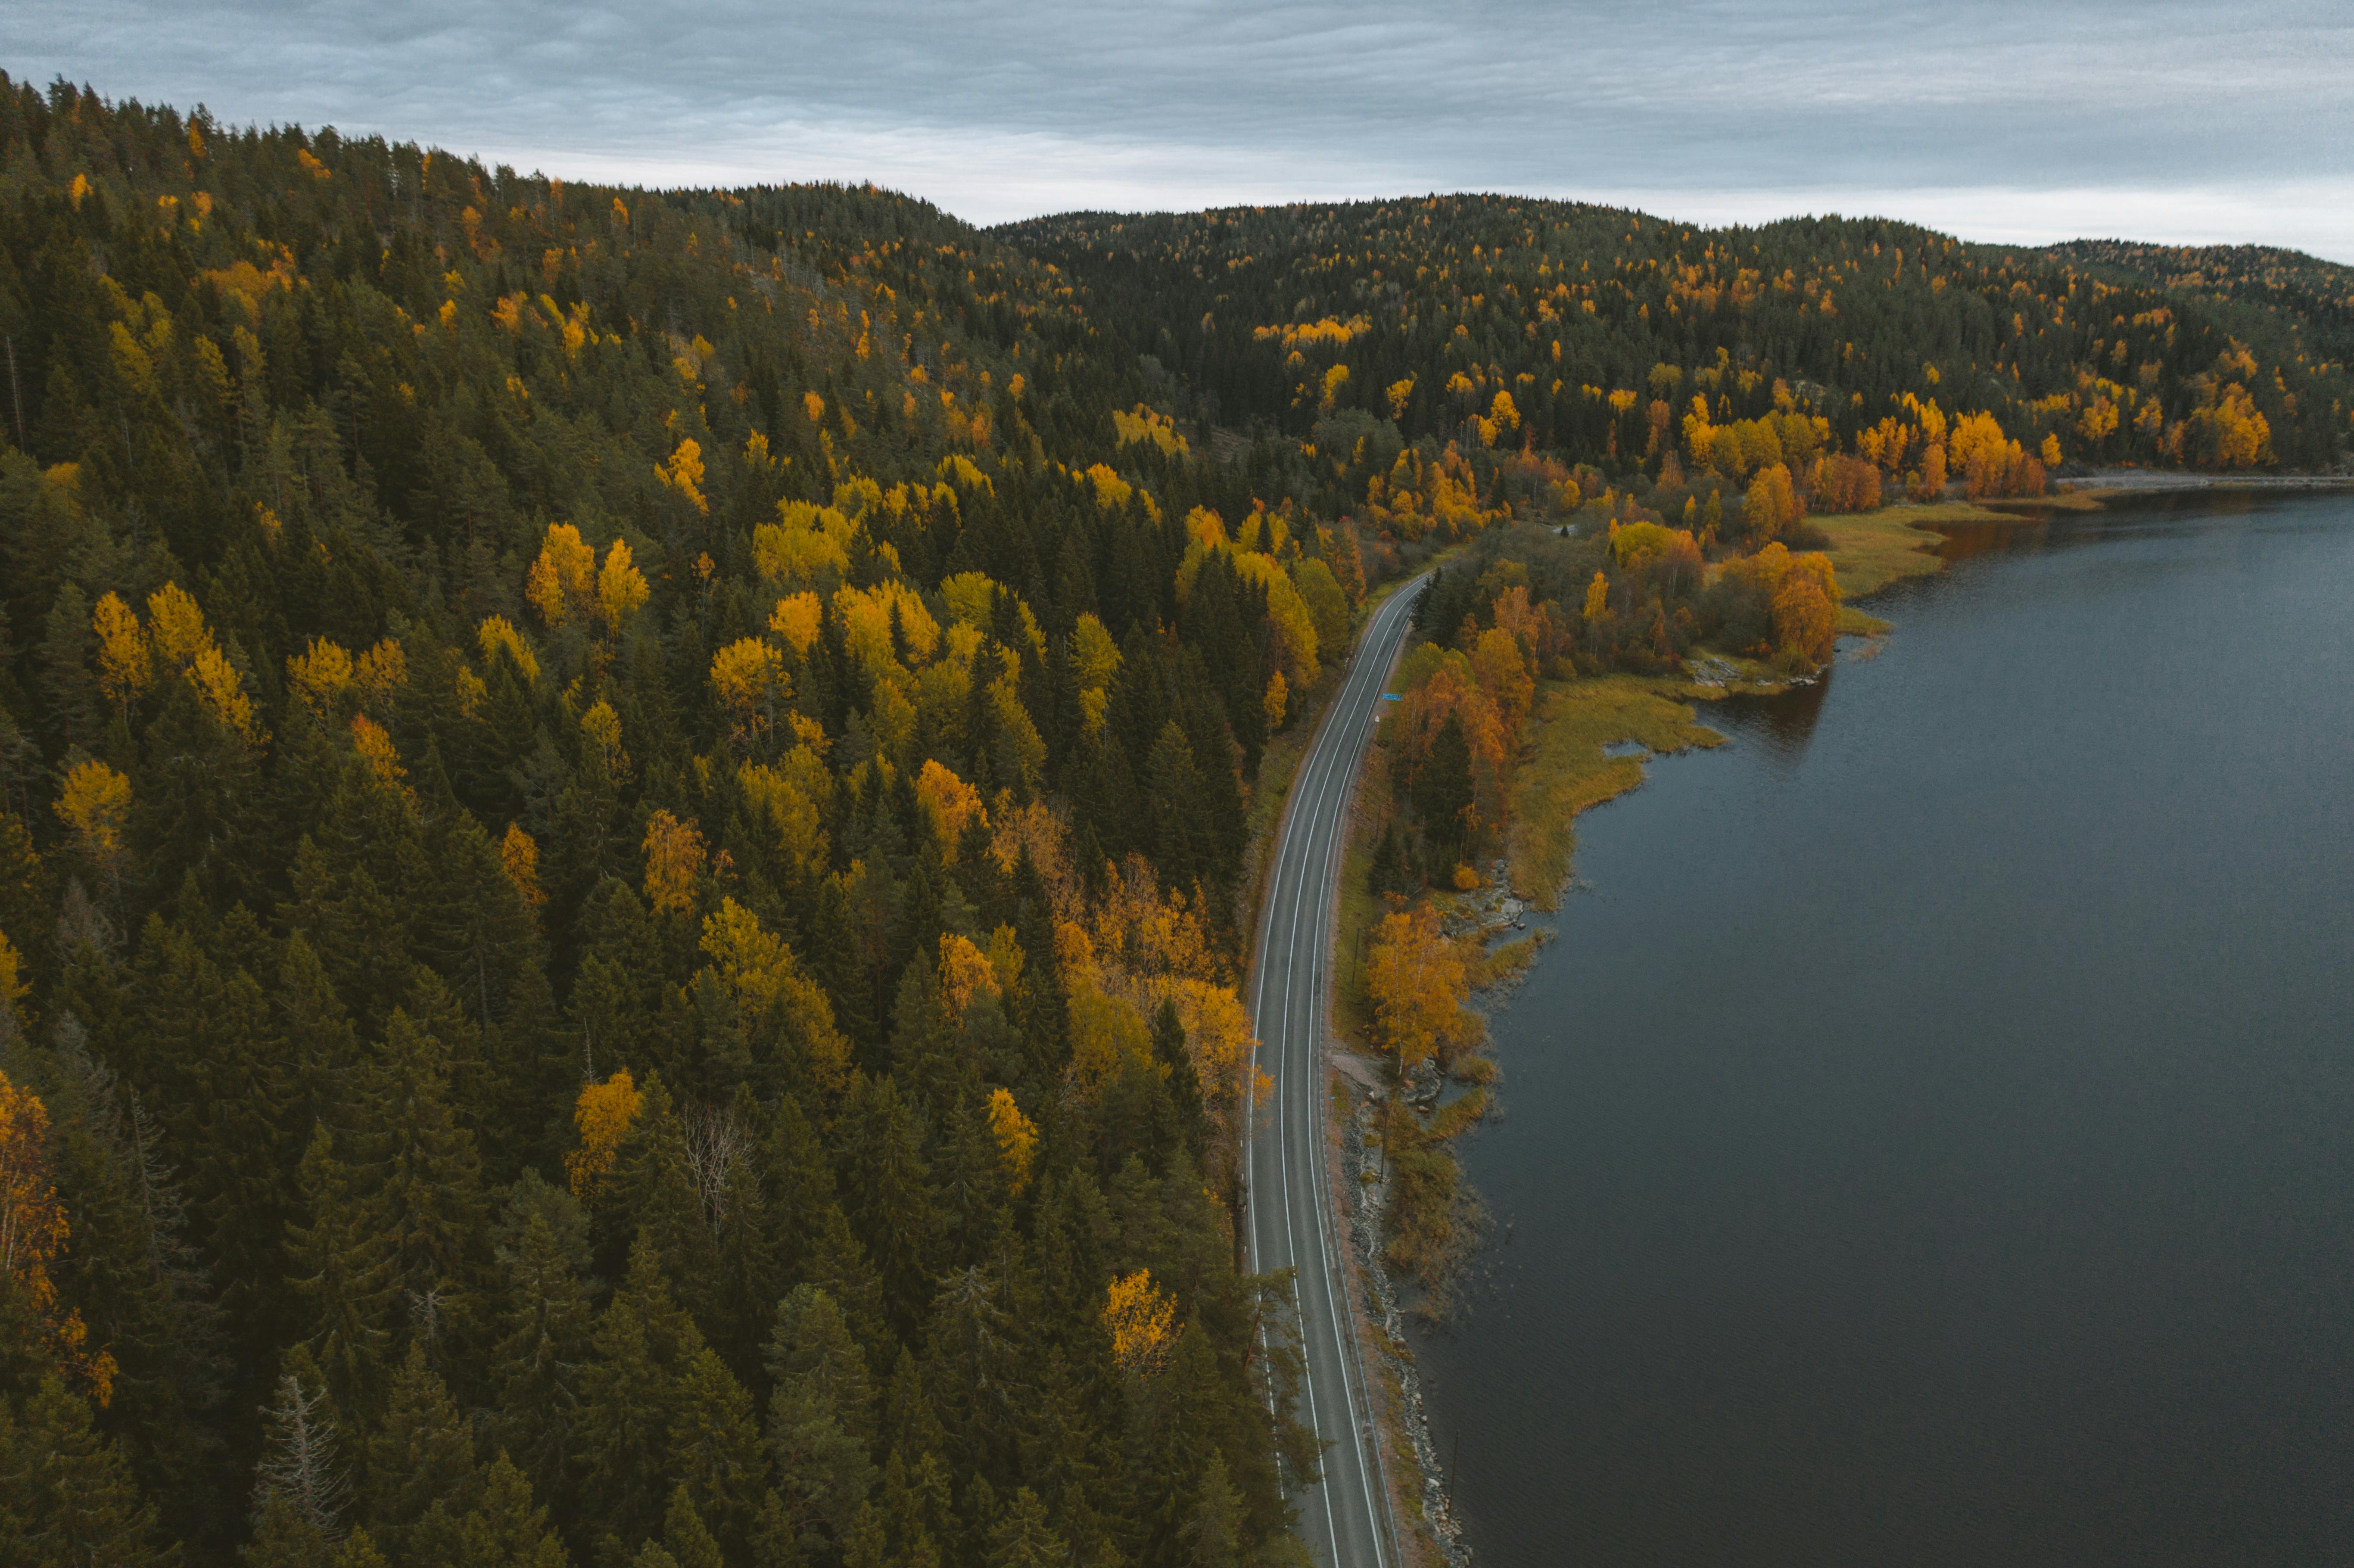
2000, 119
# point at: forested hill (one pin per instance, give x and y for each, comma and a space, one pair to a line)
2303, 294
1592, 318
618, 879
624, 815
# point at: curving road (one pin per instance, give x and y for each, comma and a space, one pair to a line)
1346, 1517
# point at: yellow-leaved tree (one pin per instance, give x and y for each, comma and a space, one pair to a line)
123, 655
95, 803
519, 858
1016, 1135
603, 1113
750, 677
773, 994
949, 805
563, 581
1142, 1321
1417, 981
965, 973
674, 860
683, 474
621, 588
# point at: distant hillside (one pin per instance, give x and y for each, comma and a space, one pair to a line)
2311, 296
1588, 317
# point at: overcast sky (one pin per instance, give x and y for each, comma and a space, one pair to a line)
1995, 118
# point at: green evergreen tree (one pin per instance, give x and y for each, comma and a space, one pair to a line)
345, 1274
507, 1529
1021, 1536
890, 1210
714, 1449
418, 1469
66, 1496
822, 1418
630, 1400
426, 1200
684, 1537
545, 1324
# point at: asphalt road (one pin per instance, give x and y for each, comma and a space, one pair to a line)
1346, 1517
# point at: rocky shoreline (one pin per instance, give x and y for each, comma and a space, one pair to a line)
1489, 911
1366, 1178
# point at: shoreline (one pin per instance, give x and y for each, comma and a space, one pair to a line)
1587, 722
1468, 1362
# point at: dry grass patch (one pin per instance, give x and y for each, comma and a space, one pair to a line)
1870, 550
1562, 769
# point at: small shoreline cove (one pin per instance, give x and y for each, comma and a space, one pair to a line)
1927, 1137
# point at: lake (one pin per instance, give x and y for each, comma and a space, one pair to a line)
1932, 1139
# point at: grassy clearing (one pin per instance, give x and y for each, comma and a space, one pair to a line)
1562, 769
1854, 622
2063, 501
1870, 550
1508, 961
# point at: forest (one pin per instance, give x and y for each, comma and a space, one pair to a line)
625, 816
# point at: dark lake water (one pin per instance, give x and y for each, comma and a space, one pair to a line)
1932, 1139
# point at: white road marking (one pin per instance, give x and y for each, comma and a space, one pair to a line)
1329, 776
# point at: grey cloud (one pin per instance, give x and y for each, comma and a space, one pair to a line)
1127, 104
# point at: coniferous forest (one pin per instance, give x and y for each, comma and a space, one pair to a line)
626, 816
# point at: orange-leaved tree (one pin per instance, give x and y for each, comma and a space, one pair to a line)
674, 860
33, 1232
603, 1113
1417, 981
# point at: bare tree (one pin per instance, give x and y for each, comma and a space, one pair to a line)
716, 1139
300, 1465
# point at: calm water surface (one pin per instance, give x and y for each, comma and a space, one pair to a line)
1932, 1140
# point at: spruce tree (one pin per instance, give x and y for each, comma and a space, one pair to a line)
507, 1529
345, 1274
419, 1468
715, 1450
66, 1496
544, 1328
1021, 1536
630, 1400
822, 1418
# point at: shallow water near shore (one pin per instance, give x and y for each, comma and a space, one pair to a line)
1932, 1139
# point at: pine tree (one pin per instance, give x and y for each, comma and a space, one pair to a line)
1021, 1537
714, 1449
685, 1536
426, 1201
1183, 1084
419, 1465
977, 1373
67, 1497
544, 1328
1442, 788
631, 1399
883, 1170
821, 1421
507, 1529
345, 1272
1213, 1535
1181, 846
652, 1196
